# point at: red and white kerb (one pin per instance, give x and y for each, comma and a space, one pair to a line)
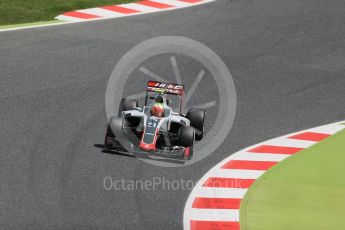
130, 9
215, 202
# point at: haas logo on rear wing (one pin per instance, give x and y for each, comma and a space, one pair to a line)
168, 88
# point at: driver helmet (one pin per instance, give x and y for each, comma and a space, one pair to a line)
159, 99
157, 110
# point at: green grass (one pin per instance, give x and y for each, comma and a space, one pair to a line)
306, 191
26, 11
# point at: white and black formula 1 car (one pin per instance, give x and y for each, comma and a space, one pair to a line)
156, 129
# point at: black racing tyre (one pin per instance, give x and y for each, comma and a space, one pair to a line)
127, 105
186, 136
197, 119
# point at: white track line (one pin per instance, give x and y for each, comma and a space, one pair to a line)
215, 214
328, 129
221, 192
69, 18
283, 141
141, 8
101, 12
261, 156
236, 173
175, 3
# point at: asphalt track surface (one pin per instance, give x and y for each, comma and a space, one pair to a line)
287, 59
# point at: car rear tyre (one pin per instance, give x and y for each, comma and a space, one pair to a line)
127, 105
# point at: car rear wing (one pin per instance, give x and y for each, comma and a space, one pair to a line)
162, 87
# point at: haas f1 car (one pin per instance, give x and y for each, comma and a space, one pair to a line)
155, 129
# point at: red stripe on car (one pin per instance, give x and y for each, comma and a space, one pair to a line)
187, 151
148, 146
